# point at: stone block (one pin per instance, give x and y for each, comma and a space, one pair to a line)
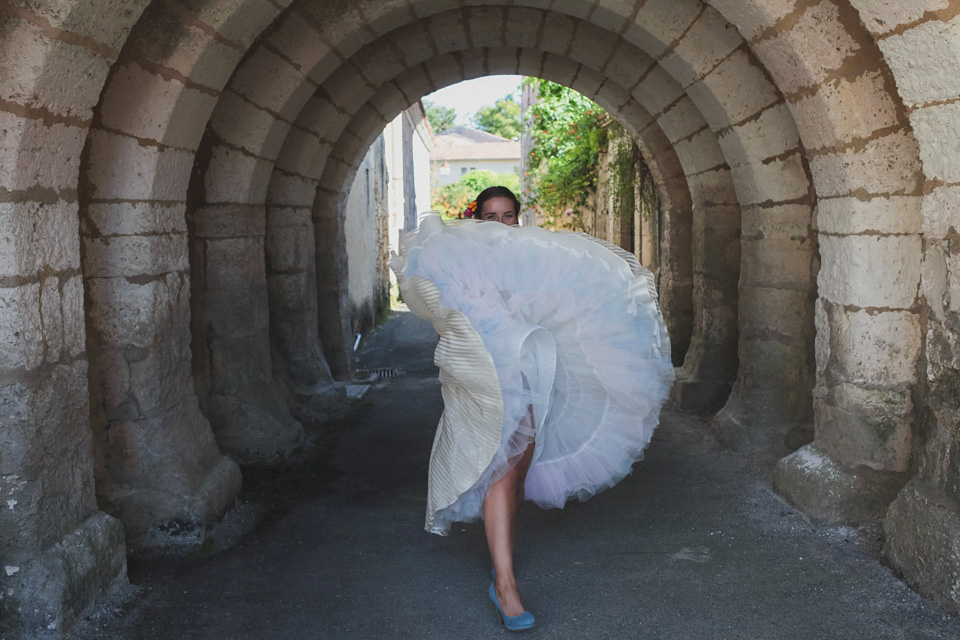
448, 31
734, 91
267, 80
939, 211
870, 271
486, 26
34, 154
291, 190
126, 312
879, 349
50, 74
132, 256
21, 330
681, 121
240, 123
806, 53
611, 97
925, 62
700, 150
558, 33
880, 215
528, 62
660, 22
87, 20
236, 177
379, 63
588, 82
793, 221
74, 327
242, 23
611, 16
884, 17
38, 237
54, 589
228, 221
658, 90
133, 218
865, 427
560, 70
297, 40
829, 493
122, 169
886, 165
715, 189
845, 110
502, 61
710, 39
772, 133
937, 129
303, 154
753, 18
922, 542
319, 114
933, 285
521, 26
627, 65
776, 262
776, 181
593, 46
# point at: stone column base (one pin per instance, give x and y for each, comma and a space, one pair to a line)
45, 595
923, 542
829, 493
162, 520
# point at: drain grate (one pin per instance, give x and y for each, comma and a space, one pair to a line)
377, 374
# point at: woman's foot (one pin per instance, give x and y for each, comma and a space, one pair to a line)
509, 598
523, 620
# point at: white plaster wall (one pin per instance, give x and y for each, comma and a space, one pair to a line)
360, 228
511, 165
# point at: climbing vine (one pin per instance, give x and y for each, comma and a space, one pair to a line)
567, 132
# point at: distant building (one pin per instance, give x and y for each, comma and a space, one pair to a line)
462, 150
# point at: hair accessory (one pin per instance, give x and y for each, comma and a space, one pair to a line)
470, 210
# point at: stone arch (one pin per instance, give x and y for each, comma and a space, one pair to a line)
860, 84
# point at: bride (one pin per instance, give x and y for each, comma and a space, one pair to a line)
554, 363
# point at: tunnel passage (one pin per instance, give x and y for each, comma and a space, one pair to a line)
805, 153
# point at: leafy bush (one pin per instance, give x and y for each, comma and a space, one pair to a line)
568, 133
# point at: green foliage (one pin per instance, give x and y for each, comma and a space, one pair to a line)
441, 118
451, 200
502, 120
568, 133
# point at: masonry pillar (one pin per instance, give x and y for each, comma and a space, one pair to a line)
230, 321
292, 295
710, 366
333, 304
158, 467
868, 345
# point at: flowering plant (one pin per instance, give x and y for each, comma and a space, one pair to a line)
471, 210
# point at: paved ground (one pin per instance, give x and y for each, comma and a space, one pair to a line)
692, 545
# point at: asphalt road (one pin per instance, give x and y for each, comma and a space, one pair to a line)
692, 545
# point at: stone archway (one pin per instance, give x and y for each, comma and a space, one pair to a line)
810, 144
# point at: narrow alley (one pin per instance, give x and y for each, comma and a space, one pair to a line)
693, 544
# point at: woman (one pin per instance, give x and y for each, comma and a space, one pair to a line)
554, 364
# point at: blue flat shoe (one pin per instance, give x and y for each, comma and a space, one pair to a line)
513, 623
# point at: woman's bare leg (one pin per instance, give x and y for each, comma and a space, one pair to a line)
499, 514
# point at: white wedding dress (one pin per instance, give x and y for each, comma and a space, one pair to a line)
557, 325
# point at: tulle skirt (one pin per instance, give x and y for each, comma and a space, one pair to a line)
547, 337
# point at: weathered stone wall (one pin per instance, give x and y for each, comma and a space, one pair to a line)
804, 153
366, 240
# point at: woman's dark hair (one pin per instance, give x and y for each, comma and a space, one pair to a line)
496, 192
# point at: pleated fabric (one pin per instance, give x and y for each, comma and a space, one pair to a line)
546, 337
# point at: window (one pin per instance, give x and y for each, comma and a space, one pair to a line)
463, 171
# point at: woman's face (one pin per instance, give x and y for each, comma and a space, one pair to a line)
499, 209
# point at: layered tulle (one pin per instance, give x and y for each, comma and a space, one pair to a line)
574, 338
